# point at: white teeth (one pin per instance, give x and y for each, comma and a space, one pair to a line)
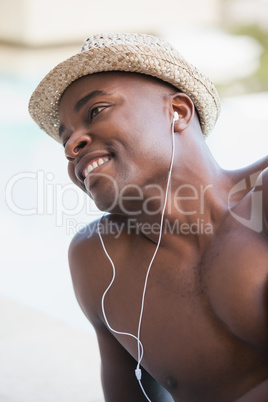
95, 164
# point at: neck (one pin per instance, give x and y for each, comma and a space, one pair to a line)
196, 205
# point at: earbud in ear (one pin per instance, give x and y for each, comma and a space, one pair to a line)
176, 116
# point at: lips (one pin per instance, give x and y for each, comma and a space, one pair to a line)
90, 162
94, 164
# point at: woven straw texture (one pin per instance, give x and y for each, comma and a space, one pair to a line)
124, 52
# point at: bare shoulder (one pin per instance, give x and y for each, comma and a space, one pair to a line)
259, 393
250, 172
250, 186
86, 245
90, 268
260, 165
263, 182
261, 193
241, 250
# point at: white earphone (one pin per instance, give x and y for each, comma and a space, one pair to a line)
175, 117
137, 338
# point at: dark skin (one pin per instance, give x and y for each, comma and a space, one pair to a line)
204, 327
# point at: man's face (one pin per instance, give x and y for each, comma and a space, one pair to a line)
116, 128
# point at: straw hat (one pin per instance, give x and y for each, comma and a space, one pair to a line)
138, 53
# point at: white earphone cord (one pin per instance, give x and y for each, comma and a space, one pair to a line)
139, 343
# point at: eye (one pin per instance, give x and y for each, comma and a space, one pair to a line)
94, 112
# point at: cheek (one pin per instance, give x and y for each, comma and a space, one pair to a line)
71, 174
74, 179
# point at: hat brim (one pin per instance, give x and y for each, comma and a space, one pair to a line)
173, 69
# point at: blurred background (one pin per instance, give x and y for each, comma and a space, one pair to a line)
48, 350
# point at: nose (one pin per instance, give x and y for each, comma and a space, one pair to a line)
77, 141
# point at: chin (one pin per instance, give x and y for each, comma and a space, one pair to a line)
105, 201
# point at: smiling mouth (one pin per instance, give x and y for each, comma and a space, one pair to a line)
94, 164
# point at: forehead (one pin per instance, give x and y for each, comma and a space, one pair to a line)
112, 81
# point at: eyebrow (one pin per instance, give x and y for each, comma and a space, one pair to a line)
88, 97
81, 103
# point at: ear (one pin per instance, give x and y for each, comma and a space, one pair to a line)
182, 104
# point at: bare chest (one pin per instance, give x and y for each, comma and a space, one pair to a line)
202, 319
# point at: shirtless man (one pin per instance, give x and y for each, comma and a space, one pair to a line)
204, 320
